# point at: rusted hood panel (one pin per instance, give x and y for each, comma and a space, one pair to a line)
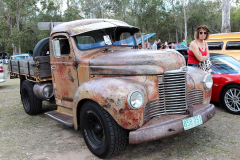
164, 60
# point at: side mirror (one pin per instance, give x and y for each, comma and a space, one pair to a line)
56, 48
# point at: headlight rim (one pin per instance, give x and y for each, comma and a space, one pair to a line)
129, 99
204, 81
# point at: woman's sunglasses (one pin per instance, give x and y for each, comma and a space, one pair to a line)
203, 32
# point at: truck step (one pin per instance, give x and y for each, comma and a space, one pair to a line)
66, 119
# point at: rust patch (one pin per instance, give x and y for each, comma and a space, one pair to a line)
122, 111
67, 99
70, 76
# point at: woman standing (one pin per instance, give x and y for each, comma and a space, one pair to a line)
198, 49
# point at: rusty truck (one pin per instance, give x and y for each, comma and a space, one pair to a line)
105, 86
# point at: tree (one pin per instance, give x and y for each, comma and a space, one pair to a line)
226, 26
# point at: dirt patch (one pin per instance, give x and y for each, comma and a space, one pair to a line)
39, 137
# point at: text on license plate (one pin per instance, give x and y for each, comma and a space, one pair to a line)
192, 122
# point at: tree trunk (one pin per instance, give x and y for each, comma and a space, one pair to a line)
93, 9
11, 30
175, 20
226, 26
18, 23
185, 21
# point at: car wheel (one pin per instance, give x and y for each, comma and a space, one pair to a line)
41, 48
230, 99
32, 105
103, 136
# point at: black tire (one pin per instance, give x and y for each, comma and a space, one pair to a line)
31, 104
103, 136
41, 48
230, 98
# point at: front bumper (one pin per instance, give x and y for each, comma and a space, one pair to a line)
167, 125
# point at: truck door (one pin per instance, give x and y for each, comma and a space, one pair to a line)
64, 73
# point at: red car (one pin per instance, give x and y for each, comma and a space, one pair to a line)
226, 82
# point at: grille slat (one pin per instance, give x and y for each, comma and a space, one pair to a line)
173, 96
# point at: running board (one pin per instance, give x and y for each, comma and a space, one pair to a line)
66, 119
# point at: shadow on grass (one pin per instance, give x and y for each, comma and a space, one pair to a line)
181, 145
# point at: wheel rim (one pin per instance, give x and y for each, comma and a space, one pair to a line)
232, 99
95, 129
25, 99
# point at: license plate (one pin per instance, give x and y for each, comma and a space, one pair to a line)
192, 122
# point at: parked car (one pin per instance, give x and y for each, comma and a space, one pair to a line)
3, 76
225, 43
181, 49
21, 56
5, 61
226, 82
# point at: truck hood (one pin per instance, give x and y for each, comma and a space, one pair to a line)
136, 62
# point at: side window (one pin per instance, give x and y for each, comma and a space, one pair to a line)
215, 45
125, 39
233, 45
60, 46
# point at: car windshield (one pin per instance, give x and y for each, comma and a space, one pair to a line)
224, 65
106, 37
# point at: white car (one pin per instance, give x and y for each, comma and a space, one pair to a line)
3, 76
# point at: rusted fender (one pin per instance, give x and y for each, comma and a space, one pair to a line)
111, 94
195, 78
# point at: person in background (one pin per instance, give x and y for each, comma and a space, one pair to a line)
154, 46
140, 45
198, 49
159, 44
147, 45
173, 46
163, 46
184, 43
166, 44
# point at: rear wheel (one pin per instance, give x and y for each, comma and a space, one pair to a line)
103, 136
32, 105
230, 99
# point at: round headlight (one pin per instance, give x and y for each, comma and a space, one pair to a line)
208, 81
135, 99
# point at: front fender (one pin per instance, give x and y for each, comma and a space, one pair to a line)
195, 78
111, 94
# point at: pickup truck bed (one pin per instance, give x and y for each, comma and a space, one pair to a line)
37, 69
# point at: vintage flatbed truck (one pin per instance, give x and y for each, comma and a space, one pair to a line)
111, 90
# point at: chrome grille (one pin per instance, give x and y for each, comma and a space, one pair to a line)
195, 96
172, 95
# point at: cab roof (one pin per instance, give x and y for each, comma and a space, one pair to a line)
81, 26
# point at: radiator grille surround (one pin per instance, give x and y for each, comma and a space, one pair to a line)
173, 96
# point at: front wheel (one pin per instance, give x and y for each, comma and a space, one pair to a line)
103, 136
230, 99
32, 105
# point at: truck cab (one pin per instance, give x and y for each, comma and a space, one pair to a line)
112, 91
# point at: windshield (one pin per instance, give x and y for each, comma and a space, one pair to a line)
106, 37
224, 65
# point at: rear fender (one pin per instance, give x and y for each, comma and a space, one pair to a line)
111, 94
